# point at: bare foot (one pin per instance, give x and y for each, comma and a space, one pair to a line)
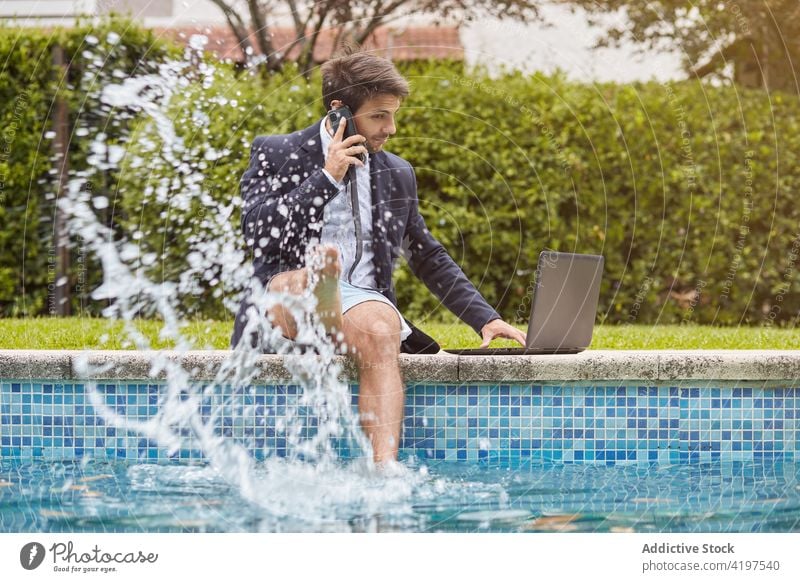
324, 271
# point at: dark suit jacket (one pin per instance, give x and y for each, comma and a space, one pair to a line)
285, 182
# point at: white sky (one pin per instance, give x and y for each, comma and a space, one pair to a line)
566, 45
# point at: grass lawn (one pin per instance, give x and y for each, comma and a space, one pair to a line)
83, 333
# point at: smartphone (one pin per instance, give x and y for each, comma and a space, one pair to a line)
344, 114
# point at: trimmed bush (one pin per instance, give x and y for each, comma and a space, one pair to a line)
686, 189
30, 83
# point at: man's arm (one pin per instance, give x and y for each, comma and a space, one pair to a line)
269, 210
430, 262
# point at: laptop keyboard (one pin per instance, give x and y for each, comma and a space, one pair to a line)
511, 351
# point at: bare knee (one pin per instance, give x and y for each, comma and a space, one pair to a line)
378, 343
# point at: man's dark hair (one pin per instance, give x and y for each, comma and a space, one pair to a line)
355, 76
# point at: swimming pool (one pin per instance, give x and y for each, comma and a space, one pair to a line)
120, 496
684, 454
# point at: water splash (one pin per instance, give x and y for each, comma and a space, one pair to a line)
313, 482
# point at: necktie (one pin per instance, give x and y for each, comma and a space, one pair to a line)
352, 184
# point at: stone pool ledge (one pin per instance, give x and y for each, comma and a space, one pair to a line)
591, 365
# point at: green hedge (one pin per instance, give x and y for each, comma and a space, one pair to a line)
686, 189
24, 86
651, 176
30, 83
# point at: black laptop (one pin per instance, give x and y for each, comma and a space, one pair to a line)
563, 308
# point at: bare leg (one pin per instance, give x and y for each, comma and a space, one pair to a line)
372, 330
324, 269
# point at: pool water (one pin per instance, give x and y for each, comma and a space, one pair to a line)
95, 496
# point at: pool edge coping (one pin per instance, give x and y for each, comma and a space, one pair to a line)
590, 365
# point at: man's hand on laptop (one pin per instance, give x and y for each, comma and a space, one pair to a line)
499, 328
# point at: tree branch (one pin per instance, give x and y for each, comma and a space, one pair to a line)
237, 26
274, 62
379, 16
298, 23
306, 58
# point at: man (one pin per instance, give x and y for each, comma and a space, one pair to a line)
300, 194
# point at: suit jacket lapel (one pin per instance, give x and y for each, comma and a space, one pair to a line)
310, 143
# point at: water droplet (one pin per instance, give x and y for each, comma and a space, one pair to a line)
198, 42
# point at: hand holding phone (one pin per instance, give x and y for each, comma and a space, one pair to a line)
347, 147
344, 115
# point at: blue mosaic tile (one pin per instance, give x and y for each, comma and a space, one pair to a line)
552, 423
